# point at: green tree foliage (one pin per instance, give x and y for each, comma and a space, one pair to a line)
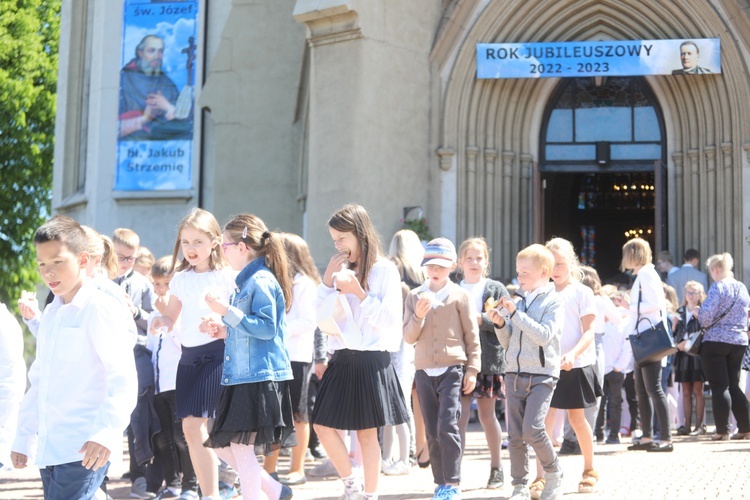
29, 32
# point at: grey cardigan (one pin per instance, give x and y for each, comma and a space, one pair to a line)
493, 354
532, 337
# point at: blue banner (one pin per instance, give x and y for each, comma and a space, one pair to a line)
156, 98
601, 58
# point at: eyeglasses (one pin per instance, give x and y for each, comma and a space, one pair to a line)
123, 258
692, 293
224, 246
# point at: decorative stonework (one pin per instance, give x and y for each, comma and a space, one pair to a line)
328, 21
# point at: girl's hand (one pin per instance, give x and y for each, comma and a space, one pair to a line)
681, 346
508, 303
347, 282
334, 266
320, 369
422, 307
567, 361
217, 304
18, 460
213, 328
160, 322
470, 381
161, 303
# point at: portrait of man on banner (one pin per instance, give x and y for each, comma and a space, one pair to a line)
151, 107
689, 56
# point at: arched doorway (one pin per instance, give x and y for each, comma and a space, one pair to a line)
602, 147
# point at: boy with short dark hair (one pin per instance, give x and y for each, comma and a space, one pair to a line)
82, 387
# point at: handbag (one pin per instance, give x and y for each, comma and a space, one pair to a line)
693, 343
653, 343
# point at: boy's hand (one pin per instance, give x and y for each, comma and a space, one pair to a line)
95, 455
508, 303
567, 361
470, 381
18, 460
28, 306
495, 317
422, 307
216, 304
161, 303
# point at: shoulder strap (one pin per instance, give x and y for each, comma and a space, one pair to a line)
725, 312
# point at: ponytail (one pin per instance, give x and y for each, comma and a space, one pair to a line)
109, 259
252, 231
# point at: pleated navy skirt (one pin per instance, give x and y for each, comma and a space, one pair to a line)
359, 390
198, 382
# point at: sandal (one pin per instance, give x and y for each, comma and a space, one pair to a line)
423, 465
588, 482
537, 487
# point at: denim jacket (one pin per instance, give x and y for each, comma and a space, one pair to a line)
256, 343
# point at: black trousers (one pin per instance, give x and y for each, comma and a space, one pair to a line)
170, 446
721, 364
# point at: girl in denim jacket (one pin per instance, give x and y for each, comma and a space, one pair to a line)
255, 407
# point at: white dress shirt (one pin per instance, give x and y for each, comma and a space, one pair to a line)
380, 315
301, 319
83, 381
12, 380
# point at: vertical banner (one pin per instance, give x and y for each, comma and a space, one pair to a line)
157, 79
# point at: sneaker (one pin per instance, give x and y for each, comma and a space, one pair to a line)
138, 489
588, 481
450, 493
326, 469
496, 479
397, 468
569, 448
613, 440
520, 492
699, 431
683, 431
553, 486
438, 494
309, 456
227, 491
294, 479
189, 495
166, 493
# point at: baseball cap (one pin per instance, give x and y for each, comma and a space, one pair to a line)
439, 252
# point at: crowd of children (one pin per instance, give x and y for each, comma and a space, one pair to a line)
224, 344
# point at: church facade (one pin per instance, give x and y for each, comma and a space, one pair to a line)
303, 106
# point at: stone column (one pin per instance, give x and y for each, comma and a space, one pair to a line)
470, 199
489, 194
692, 228
505, 225
679, 198
524, 199
709, 213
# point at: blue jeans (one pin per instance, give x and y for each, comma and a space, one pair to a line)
71, 481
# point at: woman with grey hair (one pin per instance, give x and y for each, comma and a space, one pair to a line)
724, 317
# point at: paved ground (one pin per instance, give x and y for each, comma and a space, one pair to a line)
698, 468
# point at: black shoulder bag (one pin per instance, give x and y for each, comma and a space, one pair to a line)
653, 343
695, 340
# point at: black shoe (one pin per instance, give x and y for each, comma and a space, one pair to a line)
496, 479
683, 431
423, 452
661, 448
643, 446
286, 492
569, 448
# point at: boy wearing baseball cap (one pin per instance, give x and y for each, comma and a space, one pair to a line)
439, 319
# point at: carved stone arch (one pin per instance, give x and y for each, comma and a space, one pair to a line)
490, 127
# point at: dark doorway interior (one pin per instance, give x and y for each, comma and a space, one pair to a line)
598, 213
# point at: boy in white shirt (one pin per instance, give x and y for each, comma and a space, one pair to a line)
83, 388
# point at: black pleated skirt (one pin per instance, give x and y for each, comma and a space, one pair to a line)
577, 388
198, 382
258, 413
687, 368
359, 390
